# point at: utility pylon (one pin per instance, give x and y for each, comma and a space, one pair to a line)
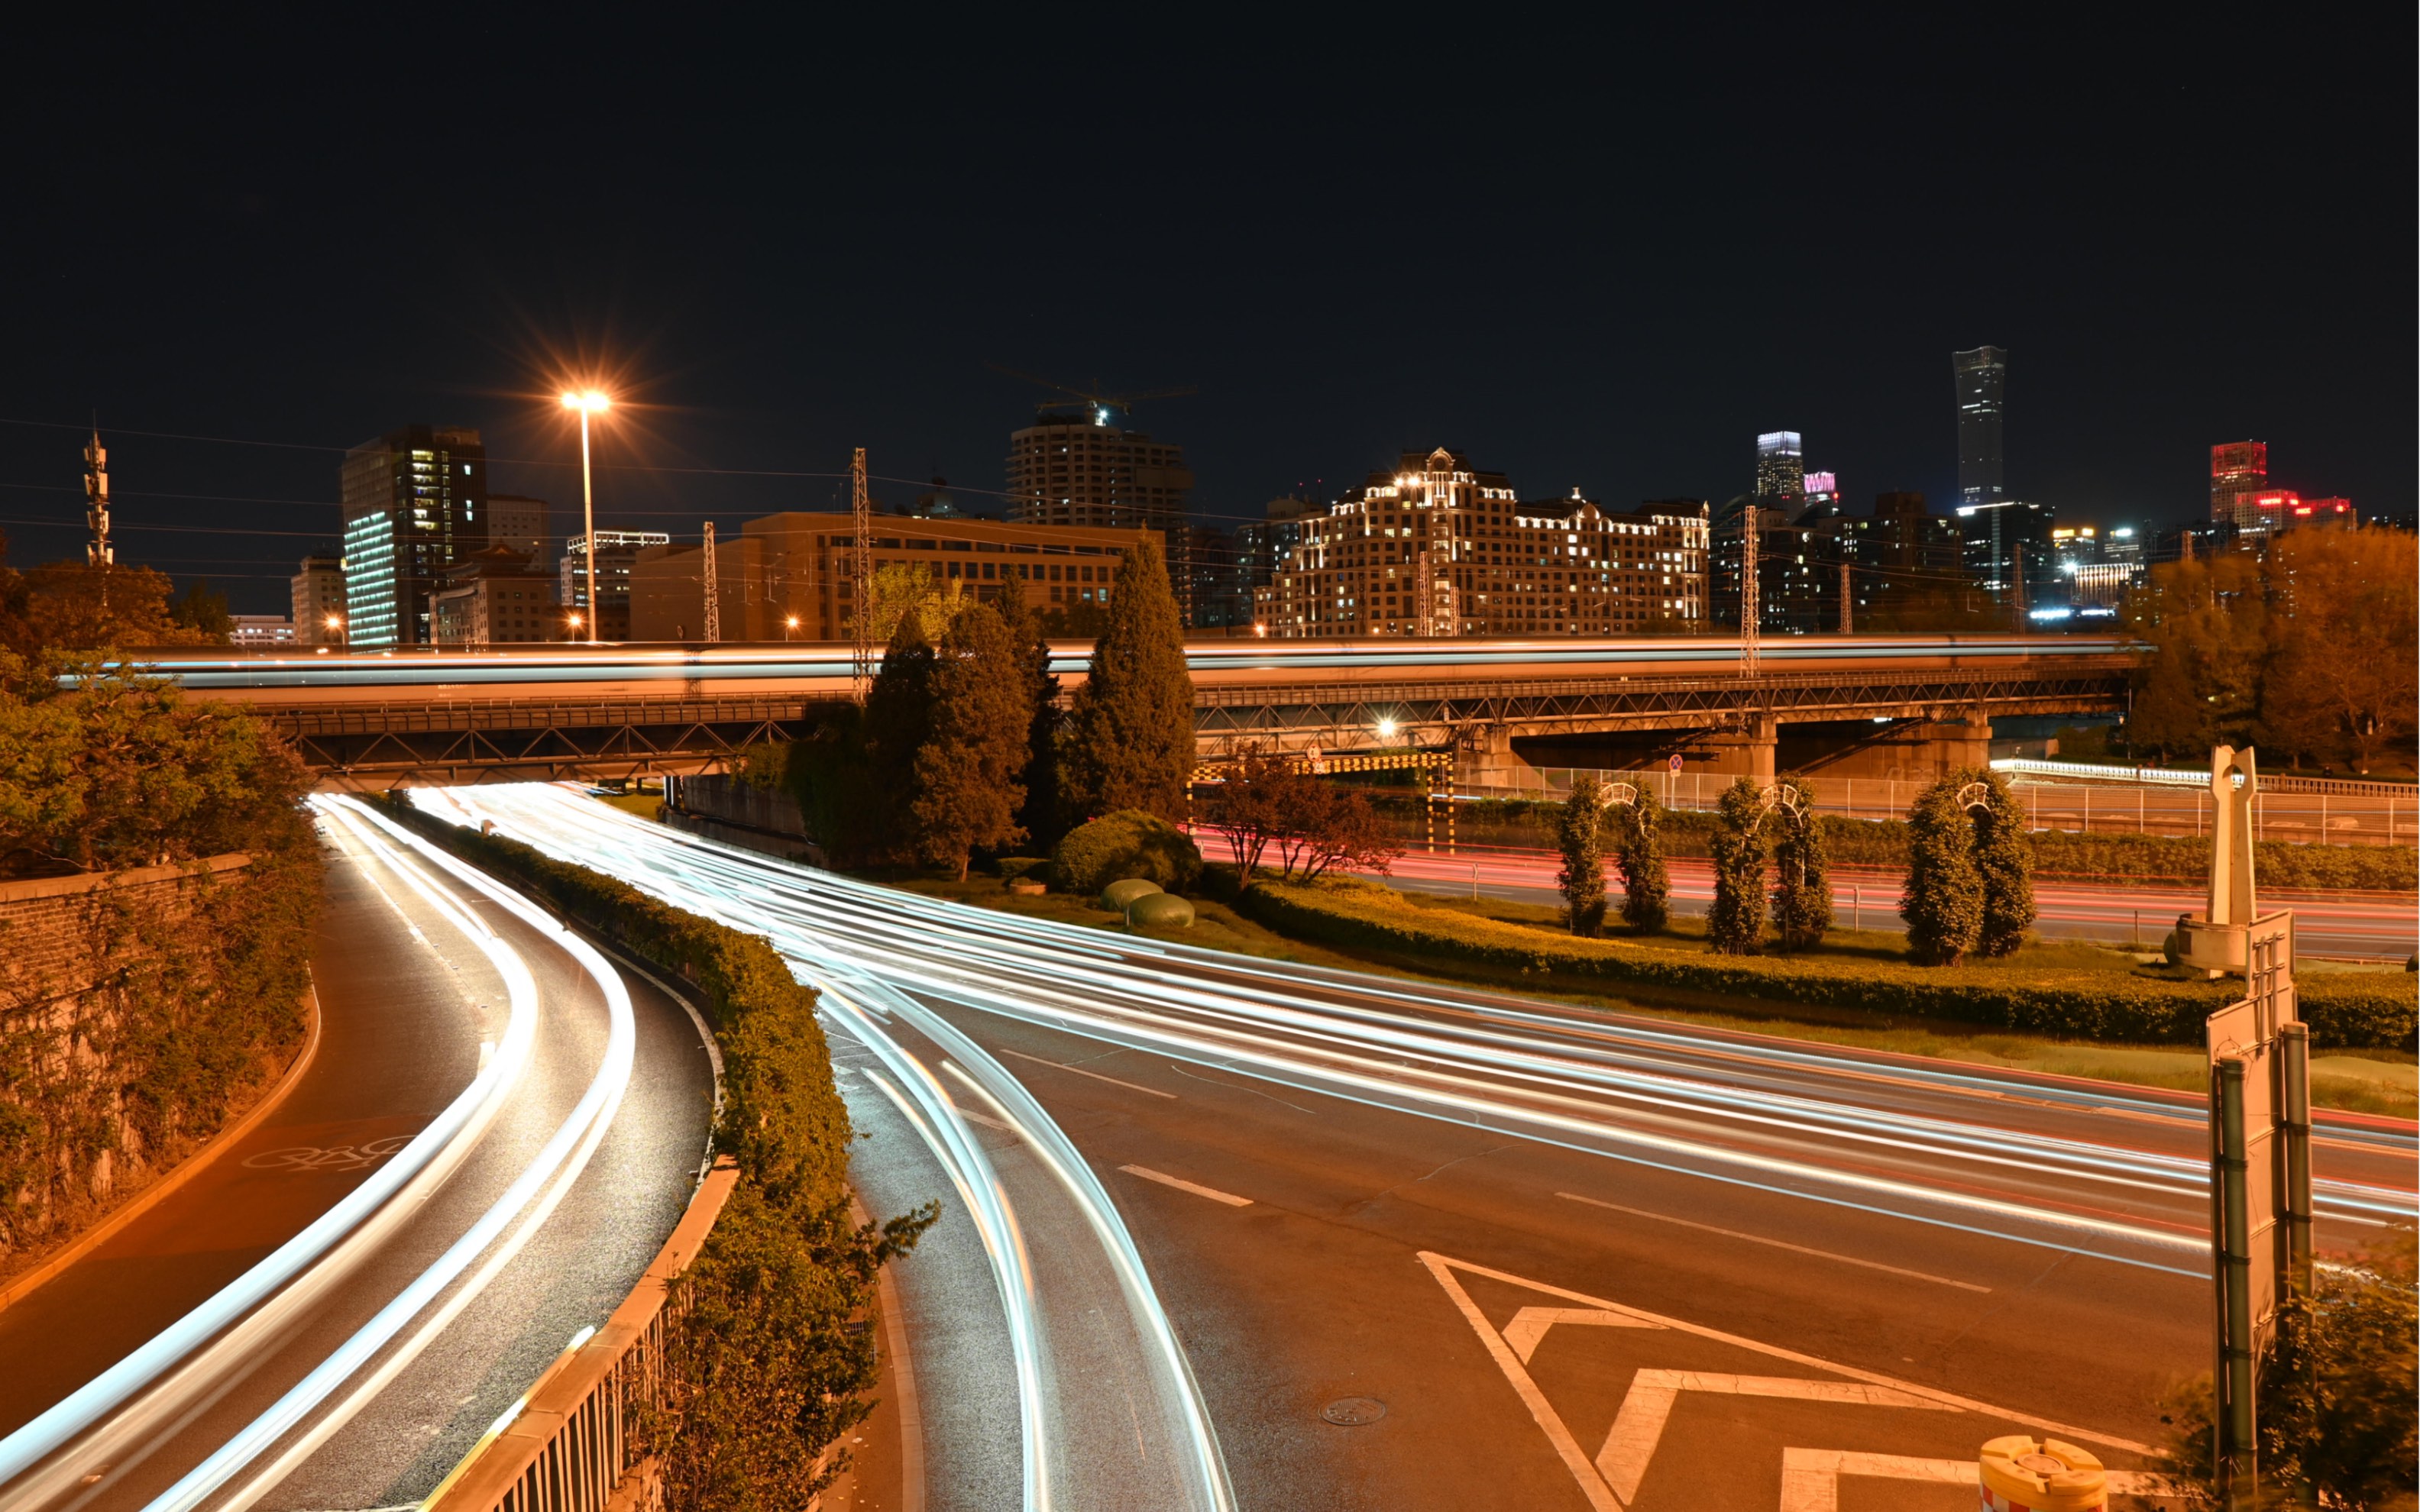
100, 553
1751, 545
861, 577
1848, 609
713, 598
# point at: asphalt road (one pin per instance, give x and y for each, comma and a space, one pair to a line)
1529, 1256
2356, 925
413, 1010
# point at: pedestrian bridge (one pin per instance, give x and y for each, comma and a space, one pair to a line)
1865, 705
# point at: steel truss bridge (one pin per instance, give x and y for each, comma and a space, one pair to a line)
520, 714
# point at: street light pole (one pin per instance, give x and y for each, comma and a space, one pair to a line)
588, 402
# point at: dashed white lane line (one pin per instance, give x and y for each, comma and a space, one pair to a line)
1131, 1086
1777, 1243
1183, 1185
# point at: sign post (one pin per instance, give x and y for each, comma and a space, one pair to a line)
2259, 1188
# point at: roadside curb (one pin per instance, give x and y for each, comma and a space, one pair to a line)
186, 1169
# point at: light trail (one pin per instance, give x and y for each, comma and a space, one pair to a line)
1640, 1095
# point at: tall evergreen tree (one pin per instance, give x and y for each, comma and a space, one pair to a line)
1735, 924
1038, 815
898, 720
1131, 733
1646, 884
1578, 834
2003, 855
966, 787
1943, 903
1802, 888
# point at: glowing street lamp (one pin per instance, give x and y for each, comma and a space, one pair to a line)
789, 625
588, 402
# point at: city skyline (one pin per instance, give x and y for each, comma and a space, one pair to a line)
783, 280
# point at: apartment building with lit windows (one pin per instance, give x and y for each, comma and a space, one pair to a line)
1439, 548
1073, 468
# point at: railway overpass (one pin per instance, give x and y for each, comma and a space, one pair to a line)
1856, 705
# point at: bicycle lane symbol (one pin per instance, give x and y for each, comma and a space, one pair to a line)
333, 1159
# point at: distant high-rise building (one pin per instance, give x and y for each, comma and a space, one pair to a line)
1263, 546
518, 524
616, 551
1073, 466
1983, 376
1780, 465
416, 502
2008, 548
498, 596
319, 602
1903, 551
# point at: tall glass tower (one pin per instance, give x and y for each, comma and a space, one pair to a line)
1983, 374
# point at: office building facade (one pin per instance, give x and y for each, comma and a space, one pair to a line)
318, 598
1981, 378
2007, 548
616, 552
1439, 548
668, 592
499, 597
805, 562
1073, 469
260, 632
1900, 552
1780, 465
519, 523
416, 502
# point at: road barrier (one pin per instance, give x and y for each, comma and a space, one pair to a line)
2081, 806
568, 1444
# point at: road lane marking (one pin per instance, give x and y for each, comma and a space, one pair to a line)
1639, 1426
1811, 1479
1530, 1325
1758, 1239
1182, 1185
984, 1118
1131, 1086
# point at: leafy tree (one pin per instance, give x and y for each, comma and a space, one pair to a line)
1270, 802
898, 721
1038, 815
1735, 924
1943, 902
1577, 836
108, 771
908, 588
1082, 621
2343, 679
2336, 1399
1639, 850
72, 606
2206, 621
966, 787
204, 613
2004, 856
1802, 891
1131, 733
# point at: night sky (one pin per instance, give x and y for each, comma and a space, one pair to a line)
1585, 254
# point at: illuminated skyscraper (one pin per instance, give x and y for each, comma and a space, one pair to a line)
1780, 465
415, 503
2239, 472
1981, 374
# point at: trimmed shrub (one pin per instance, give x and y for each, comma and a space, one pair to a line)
1735, 924
1118, 896
2005, 861
1802, 886
2373, 1010
1128, 844
1161, 909
1582, 877
1639, 850
1943, 903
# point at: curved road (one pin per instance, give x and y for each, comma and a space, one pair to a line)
515, 1235
1427, 1246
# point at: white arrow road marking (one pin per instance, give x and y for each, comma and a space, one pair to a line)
1811, 1479
1530, 1325
1640, 1425
1611, 1480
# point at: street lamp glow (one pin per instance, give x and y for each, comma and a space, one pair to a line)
584, 403
1386, 729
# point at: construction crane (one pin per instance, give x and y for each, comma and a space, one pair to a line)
1101, 405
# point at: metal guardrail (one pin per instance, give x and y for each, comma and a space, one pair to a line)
2187, 778
566, 1446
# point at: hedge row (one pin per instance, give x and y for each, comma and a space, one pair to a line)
2347, 1011
768, 1370
2056, 851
